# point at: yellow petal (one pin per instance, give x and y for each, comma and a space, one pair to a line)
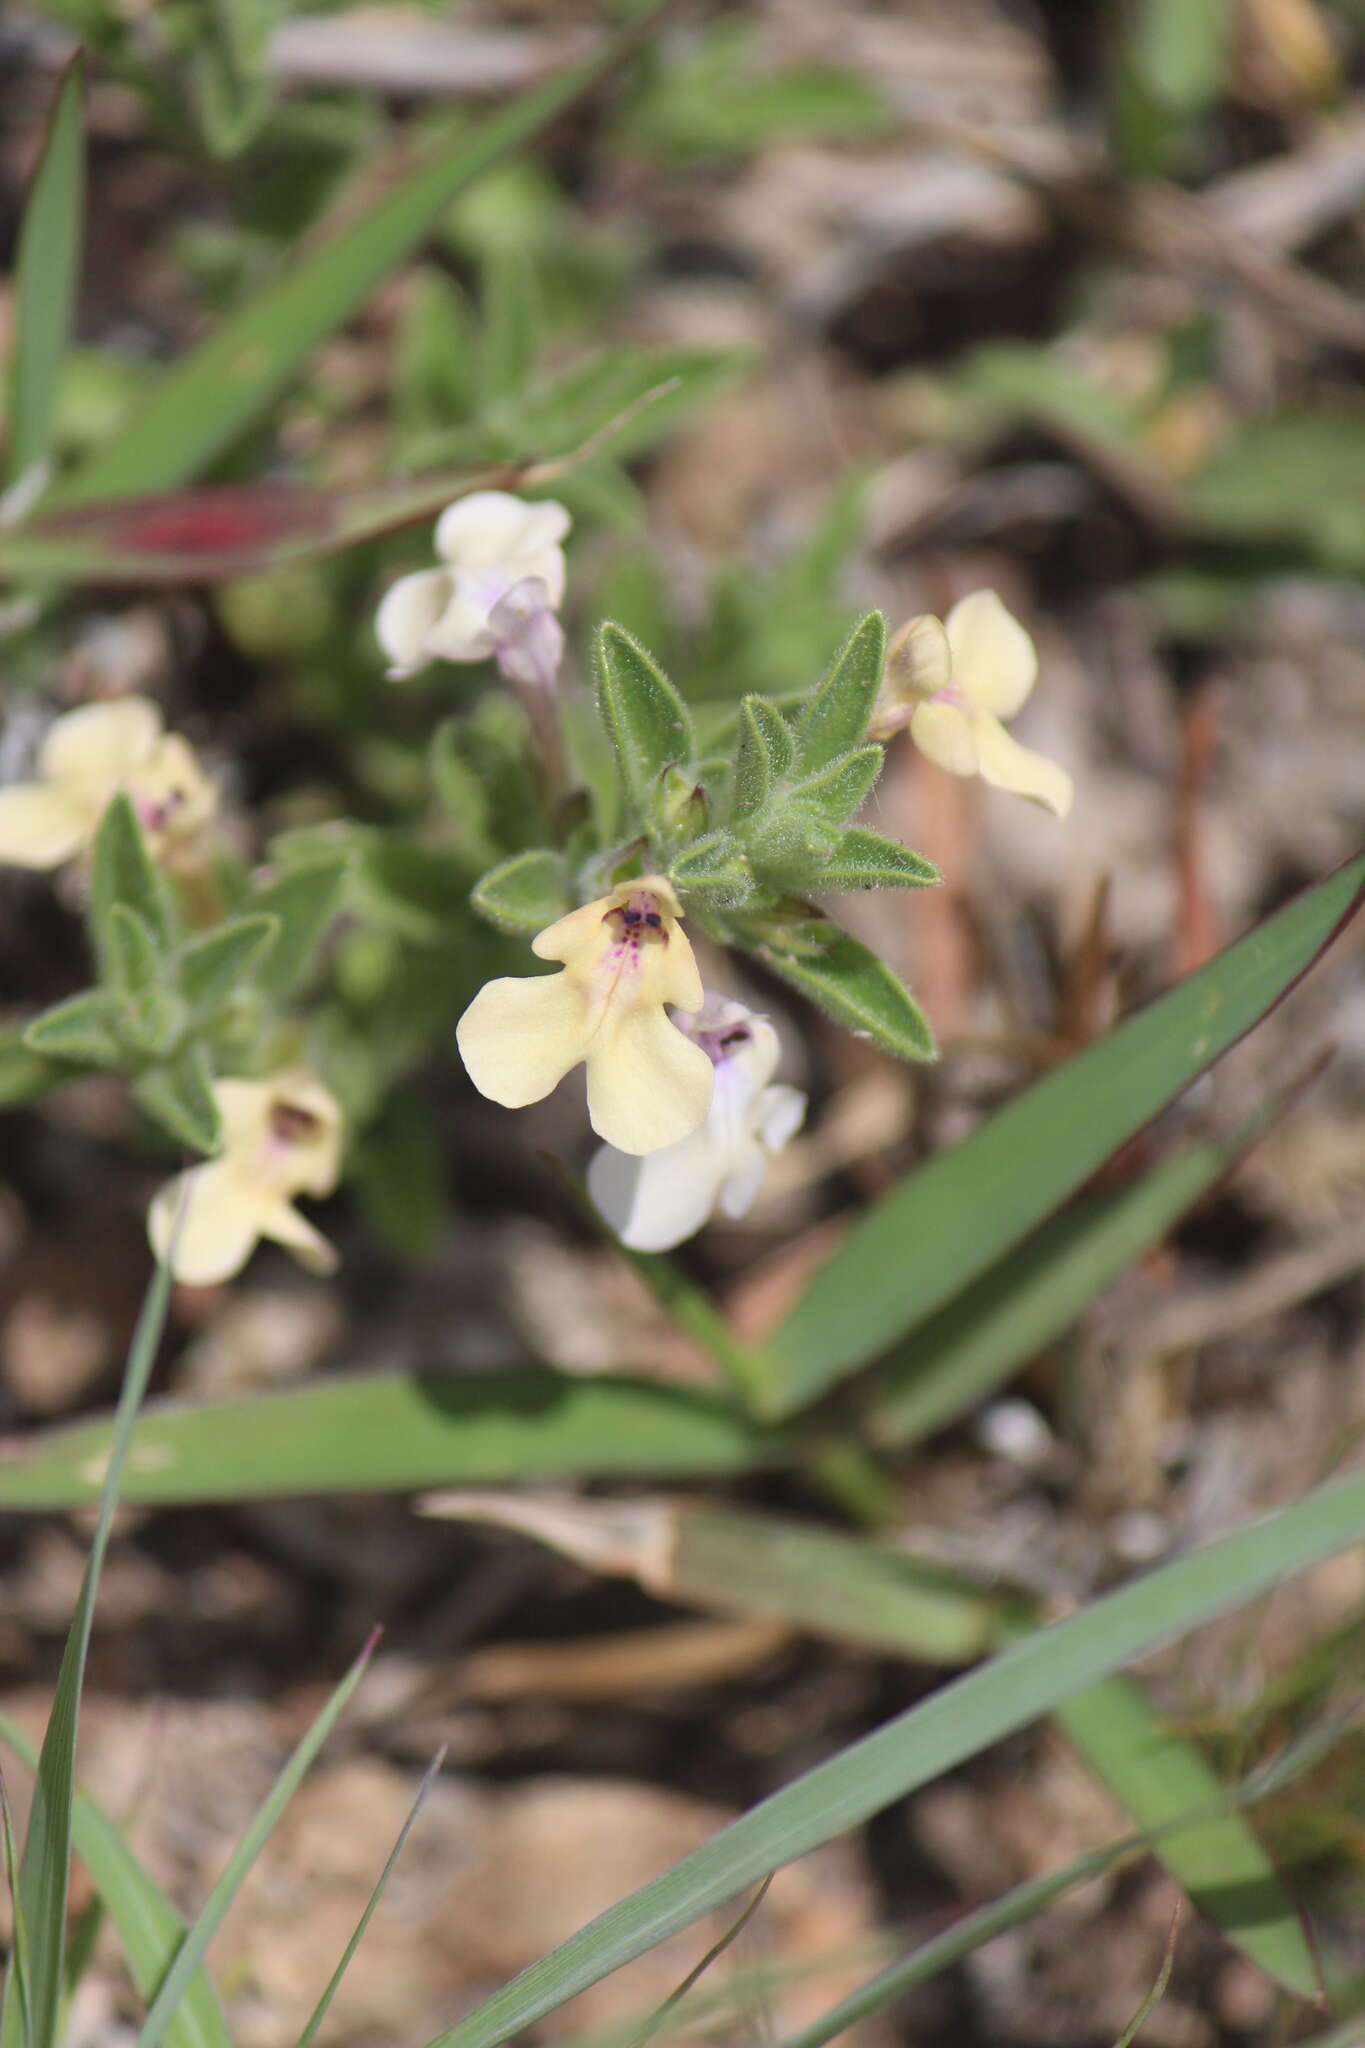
919, 661
648, 1086
174, 797
995, 664
943, 734
283, 1224
576, 932
1007, 765
521, 1035
217, 1230
99, 744
43, 824
678, 976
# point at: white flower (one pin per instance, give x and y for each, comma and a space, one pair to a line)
85, 760
281, 1138
624, 956
954, 682
654, 1203
500, 586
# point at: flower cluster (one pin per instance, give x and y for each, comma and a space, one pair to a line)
86, 759
954, 682
497, 592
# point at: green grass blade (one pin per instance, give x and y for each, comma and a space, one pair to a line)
45, 278
1028, 1679
1003, 1319
319, 2013
19, 1936
45, 1869
932, 1235
149, 1926
203, 403
190, 1955
396, 1430
1157, 1776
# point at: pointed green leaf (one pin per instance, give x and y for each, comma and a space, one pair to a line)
715, 868
82, 1028
124, 873
910, 1253
865, 860
837, 790
525, 893
645, 718
836, 716
134, 962
180, 1097
45, 278
304, 899
25, 1074
210, 969
764, 751
860, 990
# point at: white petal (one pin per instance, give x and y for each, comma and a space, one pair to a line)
995, 664
943, 734
520, 1036
529, 640
43, 824
1007, 765
919, 661
495, 526
407, 613
100, 743
648, 1086
462, 633
781, 1113
748, 1171
656, 1202
217, 1229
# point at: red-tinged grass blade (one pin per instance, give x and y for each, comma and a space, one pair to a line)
235, 530
200, 407
45, 279
400, 1431
189, 1957
947, 1223
149, 1926
45, 1868
319, 2013
974, 1344
1028, 1679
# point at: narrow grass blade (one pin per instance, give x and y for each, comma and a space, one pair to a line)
149, 1926
1157, 1776
1000, 1321
45, 1869
200, 407
378, 1431
45, 278
19, 1936
1157, 1992
944, 1225
1028, 1679
190, 1955
319, 2013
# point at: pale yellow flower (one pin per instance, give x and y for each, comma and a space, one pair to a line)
85, 760
624, 957
281, 1138
654, 1203
954, 682
497, 592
